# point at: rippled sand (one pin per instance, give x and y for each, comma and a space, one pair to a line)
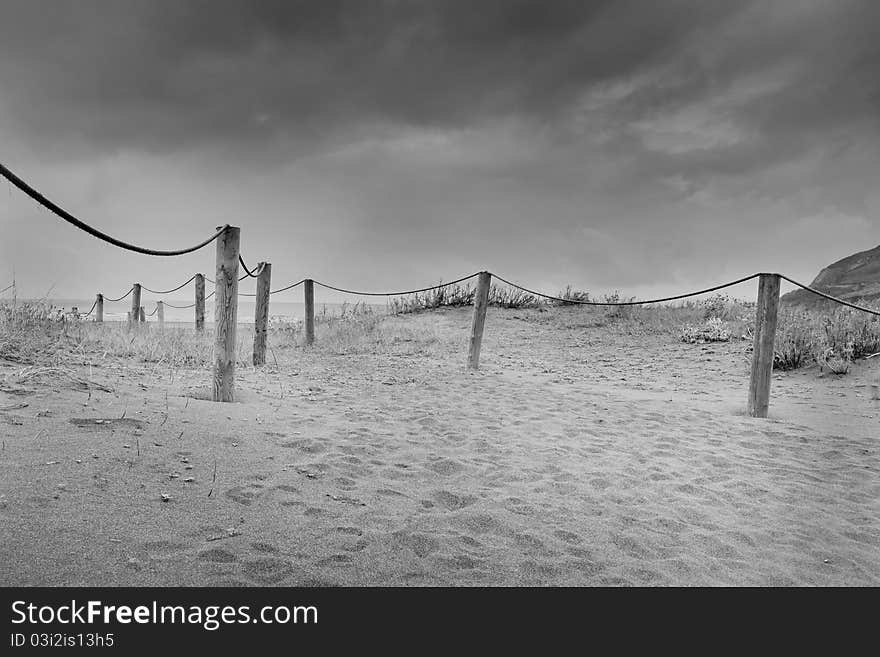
577, 455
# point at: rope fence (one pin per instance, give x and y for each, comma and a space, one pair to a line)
182, 285
629, 303
831, 298
91, 310
396, 294
94, 232
130, 290
229, 259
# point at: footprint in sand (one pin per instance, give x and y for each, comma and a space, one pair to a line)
336, 560
218, 555
356, 547
453, 502
481, 523
344, 483
245, 495
421, 544
268, 570
567, 536
445, 467
305, 445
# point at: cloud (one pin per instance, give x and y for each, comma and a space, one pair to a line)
620, 142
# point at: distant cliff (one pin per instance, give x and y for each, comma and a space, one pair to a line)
855, 278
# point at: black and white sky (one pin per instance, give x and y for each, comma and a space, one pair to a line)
610, 144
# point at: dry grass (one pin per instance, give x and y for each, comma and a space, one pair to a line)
832, 340
37, 333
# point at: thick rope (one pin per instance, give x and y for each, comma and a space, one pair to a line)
395, 294
288, 287
627, 303
248, 273
831, 298
130, 290
283, 289
170, 291
154, 311
8, 287
94, 232
192, 305
94, 305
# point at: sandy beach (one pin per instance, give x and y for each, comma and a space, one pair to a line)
576, 455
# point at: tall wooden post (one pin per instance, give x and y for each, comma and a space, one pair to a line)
200, 302
99, 309
160, 313
136, 303
261, 315
481, 302
309, 292
762, 355
226, 313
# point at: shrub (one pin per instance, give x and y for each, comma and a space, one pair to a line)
712, 330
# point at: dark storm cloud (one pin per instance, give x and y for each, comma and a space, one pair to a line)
168, 75
629, 142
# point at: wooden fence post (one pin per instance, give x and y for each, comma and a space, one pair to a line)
261, 315
142, 316
226, 313
481, 302
99, 309
762, 355
200, 302
136, 303
160, 313
309, 292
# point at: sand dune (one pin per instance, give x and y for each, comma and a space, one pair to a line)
575, 456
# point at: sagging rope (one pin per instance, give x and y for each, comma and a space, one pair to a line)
395, 294
248, 272
288, 287
94, 232
831, 298
170, 291
627, 303
8, 287
91, 310
170, 305
154, 311
691, 294
283, 289
130, 290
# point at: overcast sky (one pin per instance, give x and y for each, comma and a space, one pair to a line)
642, 146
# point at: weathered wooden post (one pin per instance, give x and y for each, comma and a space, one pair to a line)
261, 315
136, 303
309, 293
200, 302
160, 313
762, 355
226, 313
99, 309
128, 319
481, 302
142, 316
